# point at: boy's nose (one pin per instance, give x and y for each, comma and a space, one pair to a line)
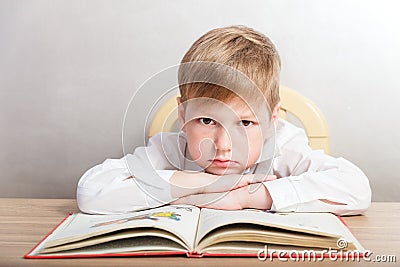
223, 140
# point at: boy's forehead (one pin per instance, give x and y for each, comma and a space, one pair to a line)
213, 107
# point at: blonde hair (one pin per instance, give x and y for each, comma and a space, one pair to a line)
241, 48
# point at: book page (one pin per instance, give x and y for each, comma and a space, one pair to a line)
180, 220
249, 232
253, 248
321, 224
133, 237
139, 244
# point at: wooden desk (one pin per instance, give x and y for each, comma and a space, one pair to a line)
26, 221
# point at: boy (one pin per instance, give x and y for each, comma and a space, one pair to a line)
232, 151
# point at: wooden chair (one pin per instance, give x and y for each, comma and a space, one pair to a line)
292, 102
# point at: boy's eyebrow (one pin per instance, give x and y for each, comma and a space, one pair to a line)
248, 116
245, 115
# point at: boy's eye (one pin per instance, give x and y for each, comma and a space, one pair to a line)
245, 123
207, 121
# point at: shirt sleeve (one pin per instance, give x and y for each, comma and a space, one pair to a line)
308, 176
121, 185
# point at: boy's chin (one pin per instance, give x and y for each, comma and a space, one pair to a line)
220, 171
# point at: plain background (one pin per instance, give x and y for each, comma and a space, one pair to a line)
69, 68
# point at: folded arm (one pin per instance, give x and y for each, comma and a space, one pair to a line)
308, 181
147, 179
316, 182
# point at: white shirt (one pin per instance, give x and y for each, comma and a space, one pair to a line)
304, 177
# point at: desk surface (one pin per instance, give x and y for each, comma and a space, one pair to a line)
26, 221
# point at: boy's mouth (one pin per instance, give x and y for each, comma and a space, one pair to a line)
223, 163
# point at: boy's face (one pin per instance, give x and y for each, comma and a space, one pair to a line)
222, 138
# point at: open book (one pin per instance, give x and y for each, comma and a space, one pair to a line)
188, 230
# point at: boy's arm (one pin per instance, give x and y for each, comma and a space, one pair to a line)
335, 186
142, 180
316, 182
110, 188
310, 182
185, 183
115, 187
254, 196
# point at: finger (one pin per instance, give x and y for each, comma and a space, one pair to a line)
259, 178
183, 200
200, 200
175, 202
270, 178
226, 183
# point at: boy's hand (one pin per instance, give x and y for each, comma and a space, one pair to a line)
191, 183
251, 196
230, 200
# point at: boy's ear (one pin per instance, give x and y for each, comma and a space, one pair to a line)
181, 113
275, 112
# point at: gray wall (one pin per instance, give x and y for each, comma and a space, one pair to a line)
69, 68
